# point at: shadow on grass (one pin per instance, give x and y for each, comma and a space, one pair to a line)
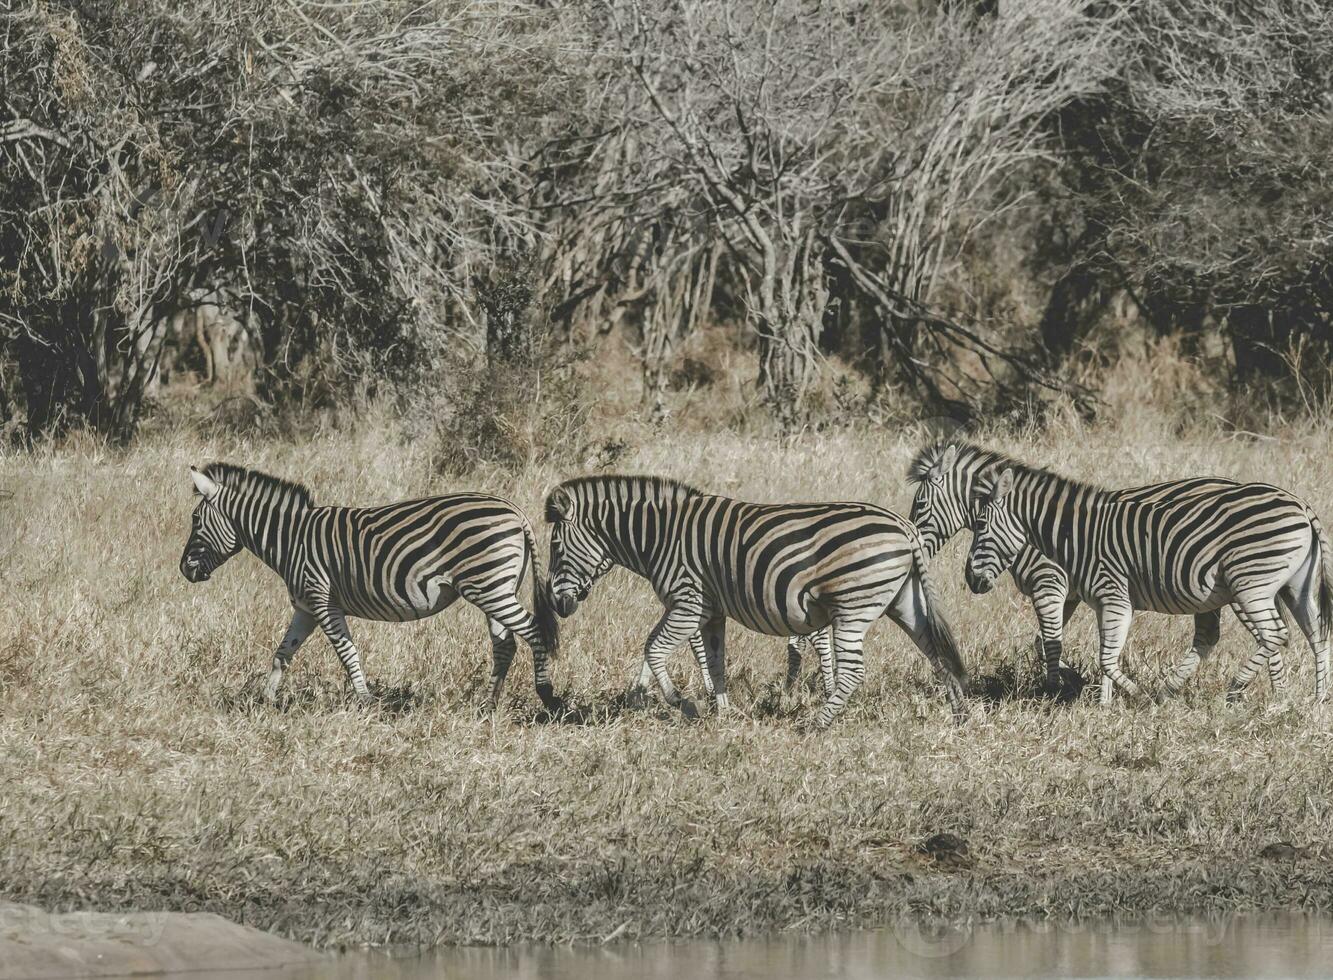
391, 700
603, 708
764, 700
1006, 684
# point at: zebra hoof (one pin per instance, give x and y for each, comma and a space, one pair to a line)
551, 701
688, 709
555, 706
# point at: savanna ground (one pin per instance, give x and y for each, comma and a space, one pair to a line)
140, 770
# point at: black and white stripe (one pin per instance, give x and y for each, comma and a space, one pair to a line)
780, 569
1244, 545
397, 563
945, 475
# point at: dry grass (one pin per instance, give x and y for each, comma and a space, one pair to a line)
139, 770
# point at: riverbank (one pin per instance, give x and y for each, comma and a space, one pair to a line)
141, 771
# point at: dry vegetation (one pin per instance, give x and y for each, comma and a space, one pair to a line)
140, 770
548, 228
945, 196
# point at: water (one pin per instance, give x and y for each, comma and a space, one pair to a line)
1241, 946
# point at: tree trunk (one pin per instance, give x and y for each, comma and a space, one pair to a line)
1258, 342
785, 349
1075, 299
791, 318
506, 300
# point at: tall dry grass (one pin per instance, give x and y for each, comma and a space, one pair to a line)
138, 769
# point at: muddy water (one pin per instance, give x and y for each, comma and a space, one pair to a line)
1243, 946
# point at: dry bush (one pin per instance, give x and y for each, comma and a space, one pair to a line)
345, 170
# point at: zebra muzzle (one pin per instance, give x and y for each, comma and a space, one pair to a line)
193, 570
979, 584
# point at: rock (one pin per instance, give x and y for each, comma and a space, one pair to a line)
35, 943
1282, 851
948, 850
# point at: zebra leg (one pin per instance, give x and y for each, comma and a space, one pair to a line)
503, 647
714, 639
848, 636
681, 620
302, 625
638, 689
1207, 629
1259, 614
794, 644
1113, 619
334, 624
1053, 611
700, 651
501, 605
828, 670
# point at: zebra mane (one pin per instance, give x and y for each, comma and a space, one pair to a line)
985, 478
245, 480
926, 458
658, 489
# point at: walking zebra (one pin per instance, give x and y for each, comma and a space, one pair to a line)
945, 475
1246, 545
396, 563
780, 569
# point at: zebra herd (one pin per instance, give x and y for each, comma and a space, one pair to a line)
825, 572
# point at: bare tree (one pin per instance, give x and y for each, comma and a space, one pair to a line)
801, 139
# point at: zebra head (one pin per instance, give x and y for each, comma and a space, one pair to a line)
213, 537
939, 506
997, 535
578, 557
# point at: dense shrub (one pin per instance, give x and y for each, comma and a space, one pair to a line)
949, 197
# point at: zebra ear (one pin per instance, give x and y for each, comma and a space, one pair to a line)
206, 487
1004, 483
948, 456
559, 505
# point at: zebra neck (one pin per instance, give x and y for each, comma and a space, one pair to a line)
271, 530
640, 549
1054, 511
932, 543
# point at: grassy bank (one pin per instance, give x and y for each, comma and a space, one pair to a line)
137, 768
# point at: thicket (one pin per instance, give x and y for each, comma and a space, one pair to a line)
453, 202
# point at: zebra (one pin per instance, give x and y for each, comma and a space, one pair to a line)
780, 569
397, 563
1246, 545
945, 474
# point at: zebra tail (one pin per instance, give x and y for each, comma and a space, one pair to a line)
543, 602
1325, 579
941, 636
